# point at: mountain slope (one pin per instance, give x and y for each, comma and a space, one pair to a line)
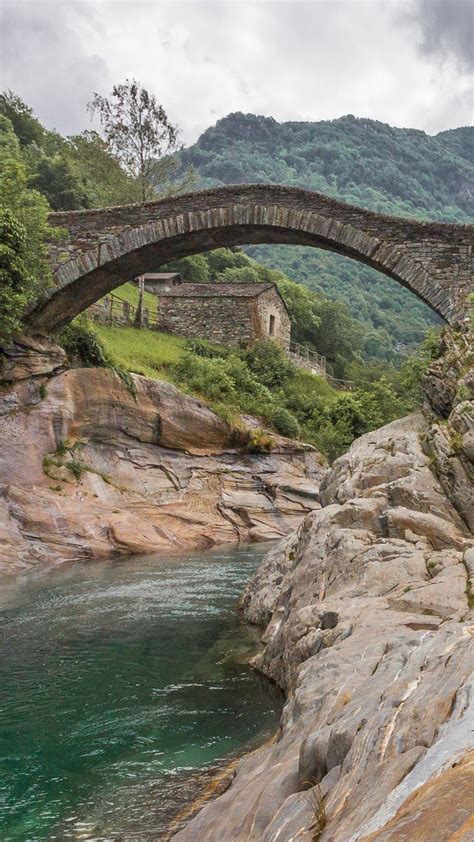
397, 171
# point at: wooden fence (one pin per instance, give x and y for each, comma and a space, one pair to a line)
113, 310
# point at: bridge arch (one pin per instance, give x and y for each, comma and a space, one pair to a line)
103, 248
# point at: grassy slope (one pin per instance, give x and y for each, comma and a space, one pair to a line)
129, 292
144, 352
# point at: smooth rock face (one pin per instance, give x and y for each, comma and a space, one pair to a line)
159, 473
30, 357
367, 626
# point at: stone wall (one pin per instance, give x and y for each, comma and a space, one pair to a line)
433, 260
224, 320
269, 304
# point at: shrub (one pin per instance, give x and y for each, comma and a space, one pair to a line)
269, 363
84, 349
204, 349
206, 377
285, 423
82, 345
246, 383
259, 441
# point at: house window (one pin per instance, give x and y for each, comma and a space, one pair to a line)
271, 326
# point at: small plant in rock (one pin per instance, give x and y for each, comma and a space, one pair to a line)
456, 441
42, 391
76, 467
315, 799
463, 393
259, 441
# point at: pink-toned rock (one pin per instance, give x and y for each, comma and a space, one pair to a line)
30, 356
366, 624
156, 472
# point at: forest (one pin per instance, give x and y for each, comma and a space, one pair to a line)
402, 172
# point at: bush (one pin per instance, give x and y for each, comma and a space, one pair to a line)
82, 345
269, 363
246, 383
203, 348
285, 423
85, 350
206, 377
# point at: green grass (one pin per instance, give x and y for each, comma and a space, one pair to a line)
144, 352
129, 292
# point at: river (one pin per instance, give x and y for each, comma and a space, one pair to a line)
121, 683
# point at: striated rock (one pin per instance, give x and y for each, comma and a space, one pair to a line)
367, 625
90, 470
30, 356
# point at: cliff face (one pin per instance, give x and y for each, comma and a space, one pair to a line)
368, 626
87, 470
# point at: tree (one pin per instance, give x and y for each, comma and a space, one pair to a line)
193, 268
102, 178
56, 180
26, 127
24, 233
238, 275
138, 132
15, 280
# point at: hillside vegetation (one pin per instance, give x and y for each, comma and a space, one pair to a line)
258, 380
403, 172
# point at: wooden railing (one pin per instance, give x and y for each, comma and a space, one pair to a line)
307, 357
347, 385
113, 310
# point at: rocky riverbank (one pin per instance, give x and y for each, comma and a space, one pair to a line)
91, 466
368, 625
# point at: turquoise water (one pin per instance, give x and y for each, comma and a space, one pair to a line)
120, 682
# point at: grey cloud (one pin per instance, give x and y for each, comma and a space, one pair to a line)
448, 29
46, 62
290, 60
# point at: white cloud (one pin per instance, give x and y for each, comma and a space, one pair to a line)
385, 59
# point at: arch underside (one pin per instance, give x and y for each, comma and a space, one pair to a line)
86, 278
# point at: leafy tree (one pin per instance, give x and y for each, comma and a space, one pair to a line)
269, 363
55, 179
238, 275
223, 258
28, 207
26, 127
194, 268
15, 280
138, 132
102, 179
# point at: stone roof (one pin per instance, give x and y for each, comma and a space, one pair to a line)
160, 276
188, 290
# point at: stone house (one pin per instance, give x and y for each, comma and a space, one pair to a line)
223, 313
159, 282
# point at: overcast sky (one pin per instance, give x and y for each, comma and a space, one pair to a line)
407, 62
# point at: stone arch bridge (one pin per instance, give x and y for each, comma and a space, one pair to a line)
101, 249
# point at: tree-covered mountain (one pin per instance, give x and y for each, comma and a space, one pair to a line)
403, 172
